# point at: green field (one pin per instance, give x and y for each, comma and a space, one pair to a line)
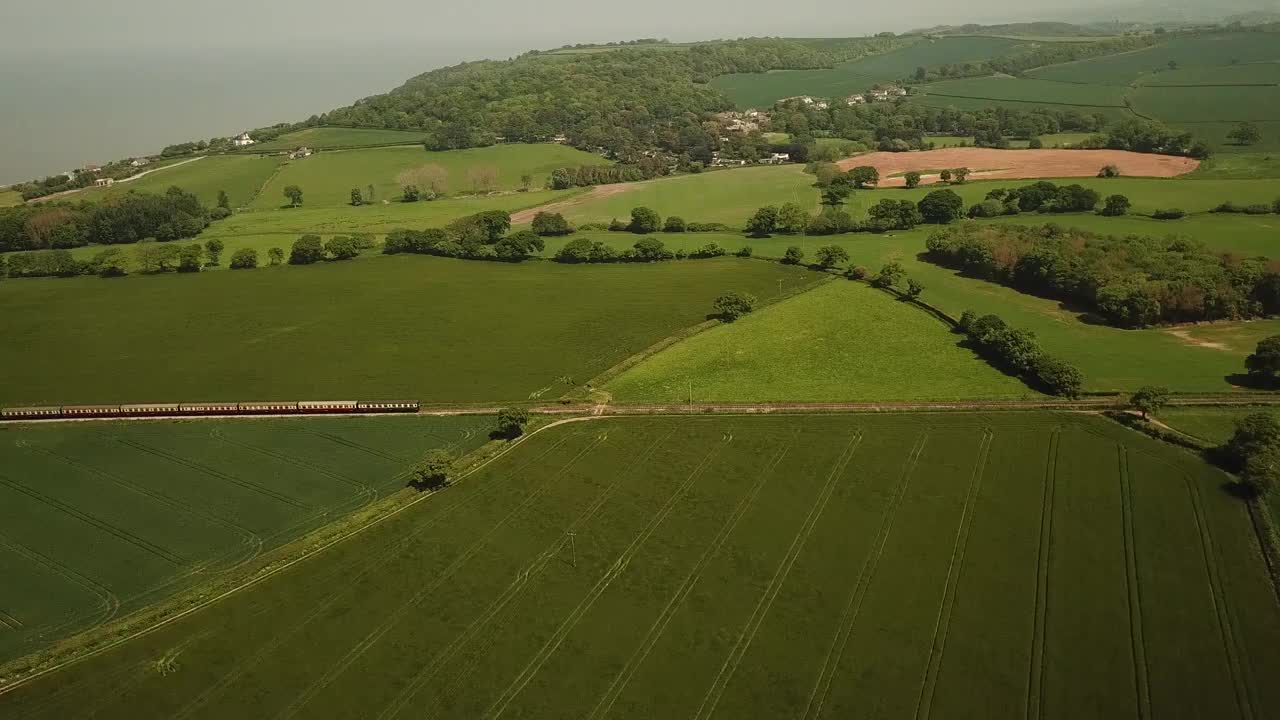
403, 327
161, 506
9, 198
1051, 140
325, 138
1176, 105
944, 565
1027, 91
1150, 65
242, 176
1239, 165
762, 90
842, 341
725, 196
327, 178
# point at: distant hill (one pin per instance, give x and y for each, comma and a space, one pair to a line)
1039, 29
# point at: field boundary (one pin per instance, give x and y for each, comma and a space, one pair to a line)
52, 663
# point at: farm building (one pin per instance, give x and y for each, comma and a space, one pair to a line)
139, 162
857, 99
243, 140
302, 152
104, 182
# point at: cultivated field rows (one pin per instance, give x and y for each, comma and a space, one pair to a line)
99, 520
1019, 565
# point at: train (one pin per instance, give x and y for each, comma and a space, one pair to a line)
305, 407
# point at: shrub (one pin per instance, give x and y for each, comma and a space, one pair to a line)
696, 227
1169, 214
1259, 209
616, 225
733, 305
912, 179
511, 422
674, 224
518, 246
644, 220
1035, 143
987, 209
1058, 377
857, 272
1109, 171
941, 207
219, 213
709, 250
764, 222
651, 249
744, 252
550, 224
793, 256
889, 276
244, 259
1227, 207
830, 256
190, 258
434, 472
275, 255
306, 250
342, 248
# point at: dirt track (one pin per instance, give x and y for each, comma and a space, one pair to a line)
989, 163
595, 193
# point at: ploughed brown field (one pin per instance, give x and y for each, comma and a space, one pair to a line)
990, 163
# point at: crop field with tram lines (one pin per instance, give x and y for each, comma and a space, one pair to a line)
926, 565
100, 519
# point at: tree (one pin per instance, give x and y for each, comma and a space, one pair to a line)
1109, 171
1264, 363
830, 256
275, 255
1115, 206
108, 263
764, 222
675, 224
356, 198
156, 257
410, 193
519, 246
244, 259
342, 248
889, 276
651, 250
914, 288
435, 471
733, 305
912, 179
838, 191
306, 250
864, 175
945, 176
1034, 143
224, 202
959, 175
1149, 399
793, 256
644, 220
294, 194
526, 182
548, 224
214, 247
792, 219
511, 422
190, 258
1246, 133
1058, 376
941, 207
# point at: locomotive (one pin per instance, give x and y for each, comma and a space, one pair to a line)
305, 407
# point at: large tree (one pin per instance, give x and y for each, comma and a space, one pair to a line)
294, 194
830, 256
306, 250
941, 207
1264, 363
733, 305
435, 471
1246, 133
1149, 399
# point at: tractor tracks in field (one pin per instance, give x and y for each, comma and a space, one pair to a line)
1035, 679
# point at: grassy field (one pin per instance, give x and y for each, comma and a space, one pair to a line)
165, 505
240, 175
842, 341
1030, 91
327, 178
9, 198
1151, 65
406, 327
726, 196
325, 138
1240, 165
740, 567
1220, 103
761, 90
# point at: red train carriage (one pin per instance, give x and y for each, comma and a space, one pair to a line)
92, 411
30, 413
328, 406
268, 408
390, 407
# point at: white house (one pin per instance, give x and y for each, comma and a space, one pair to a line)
139, 162
104, 182
243, 140
778, 158
302, 152
855, 100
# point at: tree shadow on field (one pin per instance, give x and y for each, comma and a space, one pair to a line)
1251, 382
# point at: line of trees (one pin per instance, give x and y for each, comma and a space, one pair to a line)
1017, 351
1130, 282
175, 215
482, 236
147, 257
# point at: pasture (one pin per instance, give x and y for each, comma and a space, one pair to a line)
402, 327
725, 196
1151, 65
241, 176
926, 565
762, 90
327, 138
841, 341
1028, 91
101, 519
9, 198
327, 178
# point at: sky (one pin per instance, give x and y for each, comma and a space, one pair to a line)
88, 81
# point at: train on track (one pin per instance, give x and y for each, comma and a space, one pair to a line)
306, 407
